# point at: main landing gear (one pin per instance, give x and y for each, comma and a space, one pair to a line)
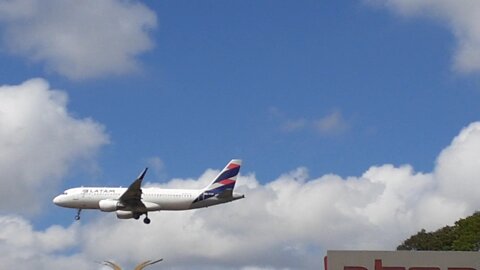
146, 220
137, 215
77, 217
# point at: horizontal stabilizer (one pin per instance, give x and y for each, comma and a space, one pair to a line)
227, 193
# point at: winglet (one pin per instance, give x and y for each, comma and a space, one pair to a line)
142, 174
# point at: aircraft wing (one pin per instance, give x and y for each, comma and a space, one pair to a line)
132, 197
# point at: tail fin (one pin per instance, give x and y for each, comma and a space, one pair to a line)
224, 183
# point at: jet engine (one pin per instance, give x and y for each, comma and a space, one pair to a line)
109, 205
122, 214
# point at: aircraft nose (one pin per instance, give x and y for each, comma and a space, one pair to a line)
57, 200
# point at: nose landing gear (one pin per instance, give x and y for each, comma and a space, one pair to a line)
77, 217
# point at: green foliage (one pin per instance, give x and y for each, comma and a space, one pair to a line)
463, 236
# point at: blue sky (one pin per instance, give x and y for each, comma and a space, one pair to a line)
335, 87
207, 90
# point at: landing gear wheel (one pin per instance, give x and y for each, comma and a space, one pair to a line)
77, 217
136, 216
146, 220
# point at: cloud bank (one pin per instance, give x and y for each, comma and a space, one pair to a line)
78, 39
39, 140
462, 17
24, 248
288, 223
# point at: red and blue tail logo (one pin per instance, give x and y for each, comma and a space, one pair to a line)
224, 183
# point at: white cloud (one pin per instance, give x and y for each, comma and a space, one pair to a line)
331, 124
458, 167
462, 17
78, 39
292, 125
23, 248
288, 223
157, 165
328, 125
39, 140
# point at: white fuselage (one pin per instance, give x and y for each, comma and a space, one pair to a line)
135, 201
165, 199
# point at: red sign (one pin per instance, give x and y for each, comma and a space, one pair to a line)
379, 266
402, 260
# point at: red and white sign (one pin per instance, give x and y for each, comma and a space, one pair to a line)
402, 260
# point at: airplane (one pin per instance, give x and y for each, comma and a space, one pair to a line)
135, 201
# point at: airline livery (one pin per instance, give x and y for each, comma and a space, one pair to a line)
134, 201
